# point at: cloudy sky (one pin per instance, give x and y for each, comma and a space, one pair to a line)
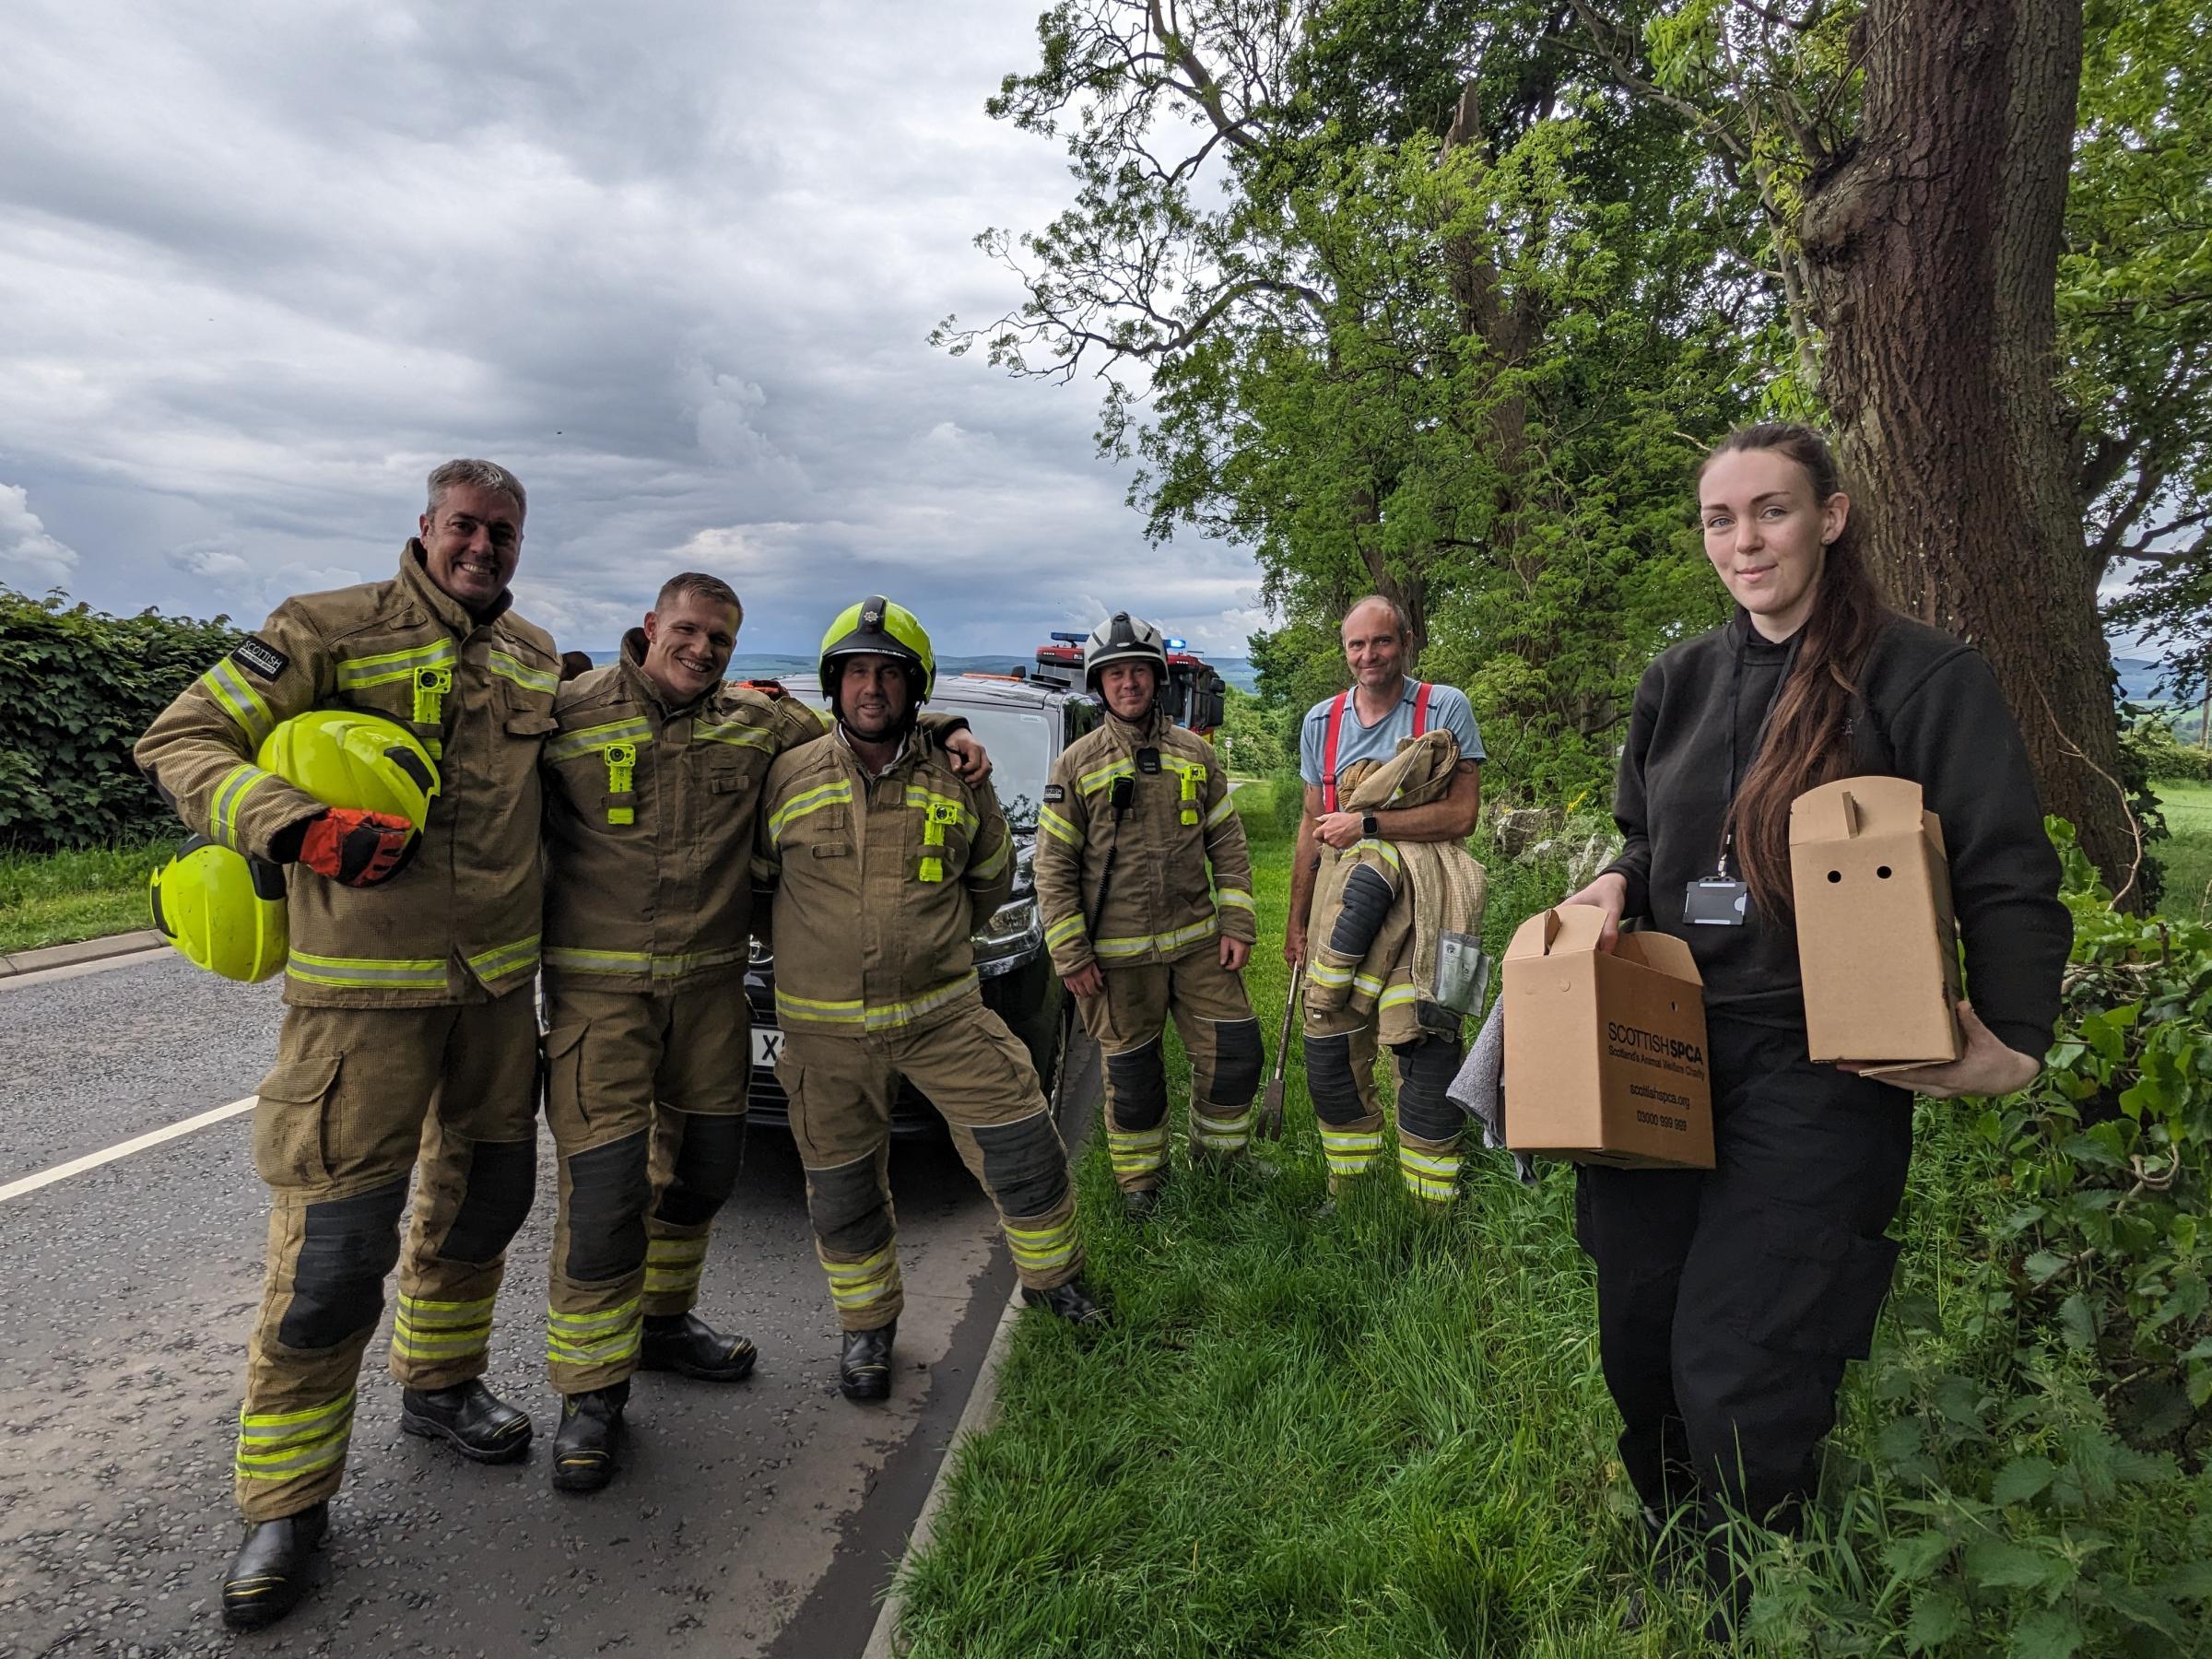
263, 264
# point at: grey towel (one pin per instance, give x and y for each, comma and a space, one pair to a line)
1479, 1088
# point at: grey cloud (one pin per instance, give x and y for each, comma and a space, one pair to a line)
672, 263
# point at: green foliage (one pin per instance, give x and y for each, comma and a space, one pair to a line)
1376, 1433
1260, 737
78, 687
2165, 758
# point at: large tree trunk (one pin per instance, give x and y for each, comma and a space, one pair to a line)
1933, 254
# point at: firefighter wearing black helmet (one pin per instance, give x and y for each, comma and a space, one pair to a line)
884, 860
1144, 887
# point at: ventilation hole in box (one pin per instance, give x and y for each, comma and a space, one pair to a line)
1883, 872
1835, 875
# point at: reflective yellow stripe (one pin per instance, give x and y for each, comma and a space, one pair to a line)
517, 957
675, 1264
281, 1446
1042, 1249
392, 666
959, 811
1090, 783
1222, 813
1220, 1130
240, 700
1066, 928
1368, 983
1326, 974
584, 739
743, 737
521, 674
441, 1330
404, 973
601, 1338
1138, 1151
988, 870
1165, 941
857, 1284
663, 964
1397, 996
799, 805
1381, 849
1433, 1177
1230, 896
1058, 828
238, 784
1350, 1151
807, 1009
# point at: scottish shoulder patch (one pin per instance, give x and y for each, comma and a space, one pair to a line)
261, 656
1054, 793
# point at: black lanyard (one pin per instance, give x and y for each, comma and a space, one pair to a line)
1759, 739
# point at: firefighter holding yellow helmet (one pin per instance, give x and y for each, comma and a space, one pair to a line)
410, 1030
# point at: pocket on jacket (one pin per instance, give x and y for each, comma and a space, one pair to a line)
290, 1120
1816, 1286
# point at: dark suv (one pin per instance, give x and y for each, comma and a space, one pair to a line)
1024, 724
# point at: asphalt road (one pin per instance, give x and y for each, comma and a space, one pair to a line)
762, 1519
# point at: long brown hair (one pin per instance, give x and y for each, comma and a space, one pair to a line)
1807, 741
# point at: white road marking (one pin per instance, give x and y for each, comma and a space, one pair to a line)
92, 1160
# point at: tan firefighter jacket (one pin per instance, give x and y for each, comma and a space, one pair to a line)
1160, 905
461, 920
1435, 886
880, 884
650, 821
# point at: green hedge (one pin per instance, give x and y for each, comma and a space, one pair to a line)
76, 688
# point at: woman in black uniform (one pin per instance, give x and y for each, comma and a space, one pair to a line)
1729, 1299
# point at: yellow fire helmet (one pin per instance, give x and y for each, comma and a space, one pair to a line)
222, 911
345, 757
878, 626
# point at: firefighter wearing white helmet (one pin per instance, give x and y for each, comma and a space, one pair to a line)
1144, 883
885, 862
411, 1028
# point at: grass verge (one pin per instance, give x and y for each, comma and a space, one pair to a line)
59, 898
1377, 1434
2187, 856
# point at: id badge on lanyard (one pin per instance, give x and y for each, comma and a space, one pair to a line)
1721, 900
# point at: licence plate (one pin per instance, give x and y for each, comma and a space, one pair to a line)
768, 1046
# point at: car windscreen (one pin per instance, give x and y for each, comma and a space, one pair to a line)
1020, 745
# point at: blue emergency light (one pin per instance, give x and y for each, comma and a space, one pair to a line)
1175, 644
1071, 639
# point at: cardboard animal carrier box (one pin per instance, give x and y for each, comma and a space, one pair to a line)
1878, 947
1604, 1053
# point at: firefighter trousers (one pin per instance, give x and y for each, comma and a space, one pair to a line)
1219, 1034
357, 1097
1729, 1299
1340, 1045
980, 1079
645, 1096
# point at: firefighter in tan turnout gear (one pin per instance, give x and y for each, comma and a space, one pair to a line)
1134, 814
653, 784
410, 1030
885, 862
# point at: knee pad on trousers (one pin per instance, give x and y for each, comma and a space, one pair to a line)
350, 1245
502, 1179
847, 1207
1329, 1079
706, 1168
1140, 1090
609, 1188
1367, 900
1425, 1068
1237, 1061
1025, 1164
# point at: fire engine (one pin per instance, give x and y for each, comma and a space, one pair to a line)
1194, 695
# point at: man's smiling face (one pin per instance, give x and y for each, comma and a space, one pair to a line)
472, 543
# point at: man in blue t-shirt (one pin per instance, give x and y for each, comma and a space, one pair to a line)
1383, 708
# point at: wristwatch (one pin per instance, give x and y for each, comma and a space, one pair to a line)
1368, 826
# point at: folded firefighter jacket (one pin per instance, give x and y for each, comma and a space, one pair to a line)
462, 921
1179, 821
880, 885
1374, 938
651, 815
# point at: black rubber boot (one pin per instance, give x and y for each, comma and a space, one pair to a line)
469, 1418
688, 1343
583, 1446
863, 1369
1138, 1207
265, 1580
1070, 1301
